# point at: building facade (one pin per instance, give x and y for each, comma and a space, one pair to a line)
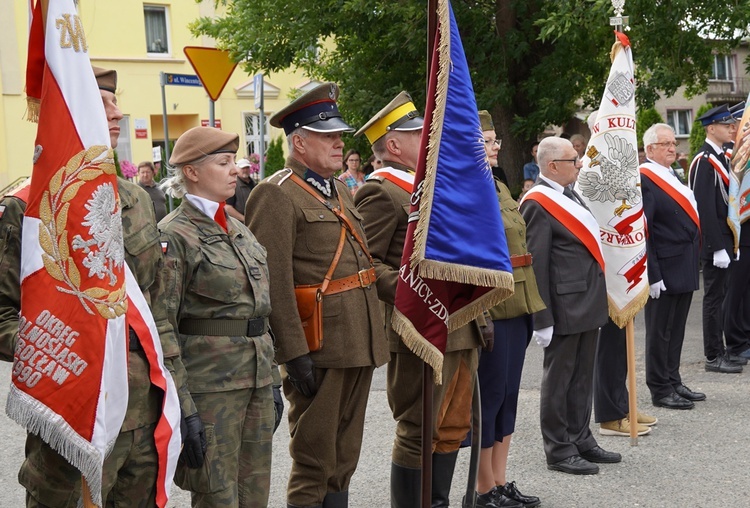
140, 40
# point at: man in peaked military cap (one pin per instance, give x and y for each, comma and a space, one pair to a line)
327, 388
709, 181
130, 471
383, 201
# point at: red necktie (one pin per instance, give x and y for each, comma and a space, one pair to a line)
221, 217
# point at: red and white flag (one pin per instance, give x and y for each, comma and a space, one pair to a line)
70, 378
609, 183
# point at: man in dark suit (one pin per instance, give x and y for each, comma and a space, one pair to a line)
709, 180
563, 238
673, 247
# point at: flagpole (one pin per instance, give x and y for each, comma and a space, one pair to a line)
618, 21
86, 495
427, 378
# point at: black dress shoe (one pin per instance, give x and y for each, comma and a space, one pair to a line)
574, 465
597, 454
737, 359
686, 393
722, 364
511, 491
674, 401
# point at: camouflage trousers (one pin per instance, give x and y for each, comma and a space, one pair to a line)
128, 476
326, 433
237, 469
130, 469
451, 404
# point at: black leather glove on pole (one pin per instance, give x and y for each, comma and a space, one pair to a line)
278, 406
194, 442
301, 372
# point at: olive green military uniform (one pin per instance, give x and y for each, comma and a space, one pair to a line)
215, 280
525, 299
129, 473
385, 209
301, 236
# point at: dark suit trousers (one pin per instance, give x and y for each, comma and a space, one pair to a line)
714, 291
610, 374
565, 404
665, 333
738, 293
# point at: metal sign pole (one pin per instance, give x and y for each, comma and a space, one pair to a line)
258, 93
211, 113
163, 82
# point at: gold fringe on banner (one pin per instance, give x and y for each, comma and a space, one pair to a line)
418, 345
621, 316
32, 109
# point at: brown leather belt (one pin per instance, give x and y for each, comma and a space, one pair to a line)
361, 279
520, 260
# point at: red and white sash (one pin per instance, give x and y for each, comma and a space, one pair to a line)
669, 183
715, 163
570, 214
398, 177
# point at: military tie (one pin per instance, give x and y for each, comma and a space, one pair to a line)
568, 192
221, 217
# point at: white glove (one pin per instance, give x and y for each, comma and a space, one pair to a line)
721, 259
737, 258
655, 289
544, 336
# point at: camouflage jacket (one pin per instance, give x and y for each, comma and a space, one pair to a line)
11, 221
210, 274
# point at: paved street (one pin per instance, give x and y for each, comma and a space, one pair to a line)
697, 458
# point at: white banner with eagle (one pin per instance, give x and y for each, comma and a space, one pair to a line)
610, 186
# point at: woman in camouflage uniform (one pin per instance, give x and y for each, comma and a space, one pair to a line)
217, 300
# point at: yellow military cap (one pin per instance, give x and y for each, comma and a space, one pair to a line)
485, 121
106, 79
399, 115
316, 111
200, 141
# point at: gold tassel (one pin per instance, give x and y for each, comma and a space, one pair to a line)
32, 109
621, 317
418, 345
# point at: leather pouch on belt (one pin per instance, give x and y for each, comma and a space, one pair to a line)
310, 308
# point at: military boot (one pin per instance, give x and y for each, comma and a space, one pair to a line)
443, 465
406, 483
336, 500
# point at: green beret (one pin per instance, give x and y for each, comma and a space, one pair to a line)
106, 79
485, 121
200, 141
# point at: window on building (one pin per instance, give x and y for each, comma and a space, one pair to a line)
252, 133
124, 152
680, 120
723, 69
157, 33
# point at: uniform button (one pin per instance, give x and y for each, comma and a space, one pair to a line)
360, 253
321, 216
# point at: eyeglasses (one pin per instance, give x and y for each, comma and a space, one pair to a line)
354, 160
667, 144
574, 161
498, 142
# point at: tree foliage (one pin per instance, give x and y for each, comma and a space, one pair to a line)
532, 61
274, 156
645, 118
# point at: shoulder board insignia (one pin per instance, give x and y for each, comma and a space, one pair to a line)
164, 247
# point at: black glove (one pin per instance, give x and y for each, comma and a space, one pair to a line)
193, 442
278, 406
301, 372
488, 334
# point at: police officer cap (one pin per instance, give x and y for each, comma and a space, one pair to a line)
399, 115
738, 110
719, 114
315, 111
200, 141
106, 79
485, 121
